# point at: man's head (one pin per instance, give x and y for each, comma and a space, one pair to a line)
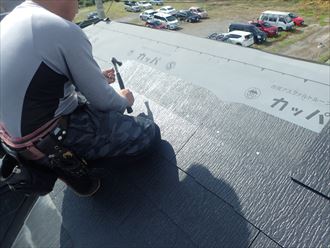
64, 8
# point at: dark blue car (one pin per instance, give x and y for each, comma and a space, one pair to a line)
187, 15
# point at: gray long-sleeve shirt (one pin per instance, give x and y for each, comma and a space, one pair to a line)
44, 59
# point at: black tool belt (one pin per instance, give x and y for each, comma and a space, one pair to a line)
35, 168
45, 146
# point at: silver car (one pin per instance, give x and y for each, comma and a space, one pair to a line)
156, 2
147, 14
131, 6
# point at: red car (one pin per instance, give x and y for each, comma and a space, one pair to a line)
270, 30
152, 23
298, 21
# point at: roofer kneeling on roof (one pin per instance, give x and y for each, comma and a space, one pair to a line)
46, 129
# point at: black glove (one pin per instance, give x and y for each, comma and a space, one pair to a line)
27, 178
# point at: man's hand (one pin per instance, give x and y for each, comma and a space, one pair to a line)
128, 95
110, 75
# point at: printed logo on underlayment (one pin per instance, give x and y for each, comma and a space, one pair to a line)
252, 93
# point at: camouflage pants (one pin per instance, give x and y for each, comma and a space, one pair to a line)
92, 134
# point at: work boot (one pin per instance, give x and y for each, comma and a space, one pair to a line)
83, 186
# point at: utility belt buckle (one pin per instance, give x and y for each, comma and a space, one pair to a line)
60, 132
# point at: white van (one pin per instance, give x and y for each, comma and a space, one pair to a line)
170, 21
282, 20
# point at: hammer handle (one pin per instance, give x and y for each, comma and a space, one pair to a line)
122, 86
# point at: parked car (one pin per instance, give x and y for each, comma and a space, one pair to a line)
219, 37
241, 38
144, 5
92, 15
298, 21
167, 10
258, 35
154, 23
282, 20
147, 14
187, 15
170, 21
199, 11
270, 30
156, 2
131, 6
88, 22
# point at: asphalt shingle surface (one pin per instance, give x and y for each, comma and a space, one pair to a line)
211, 189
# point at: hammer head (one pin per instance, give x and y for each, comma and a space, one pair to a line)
115, 61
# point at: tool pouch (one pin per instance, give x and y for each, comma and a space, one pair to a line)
33, 167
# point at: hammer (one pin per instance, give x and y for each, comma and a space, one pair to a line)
115, 62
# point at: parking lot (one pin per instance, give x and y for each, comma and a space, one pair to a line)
310, 42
